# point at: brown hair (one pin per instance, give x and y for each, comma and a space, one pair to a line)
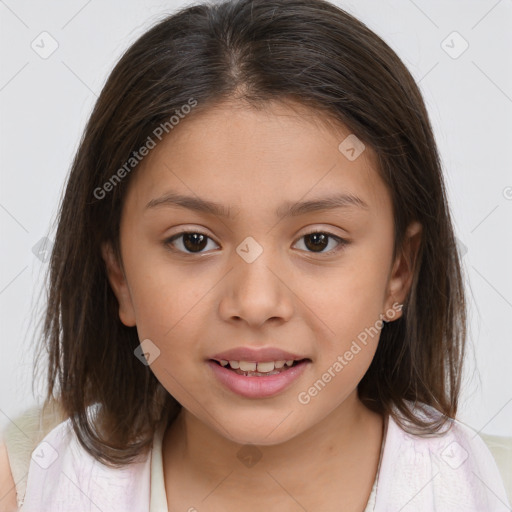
254, 51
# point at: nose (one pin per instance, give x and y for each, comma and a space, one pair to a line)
256, 292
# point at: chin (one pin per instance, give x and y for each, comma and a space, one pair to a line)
267, 433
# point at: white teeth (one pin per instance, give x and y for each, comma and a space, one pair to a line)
261, 367
266, 367
245, 366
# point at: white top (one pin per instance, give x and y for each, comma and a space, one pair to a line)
452, 472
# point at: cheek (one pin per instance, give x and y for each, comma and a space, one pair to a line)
170, 311
346, 309
349, 298
164, 296
365, 279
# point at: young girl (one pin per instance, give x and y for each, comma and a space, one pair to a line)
256, 300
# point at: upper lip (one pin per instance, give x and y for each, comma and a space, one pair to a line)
250, 354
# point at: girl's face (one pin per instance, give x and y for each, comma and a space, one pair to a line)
256, 278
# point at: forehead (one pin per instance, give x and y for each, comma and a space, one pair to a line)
237, 155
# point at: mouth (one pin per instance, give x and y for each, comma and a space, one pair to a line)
259, 369
248, 382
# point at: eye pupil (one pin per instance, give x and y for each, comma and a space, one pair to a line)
193, 241
319, 241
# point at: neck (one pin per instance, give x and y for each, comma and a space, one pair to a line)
345, 444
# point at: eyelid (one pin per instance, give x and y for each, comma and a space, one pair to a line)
192, 229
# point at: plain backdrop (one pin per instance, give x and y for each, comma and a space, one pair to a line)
458, 51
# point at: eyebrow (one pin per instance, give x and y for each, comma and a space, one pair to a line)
287, 209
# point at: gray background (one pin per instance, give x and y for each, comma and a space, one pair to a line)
45, 103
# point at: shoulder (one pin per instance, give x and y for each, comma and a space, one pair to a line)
8, 501
39, 458
19, 438
64, 476
452, 470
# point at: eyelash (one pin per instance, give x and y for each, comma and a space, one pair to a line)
341, 241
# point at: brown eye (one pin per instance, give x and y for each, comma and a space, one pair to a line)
317, 241
192, 241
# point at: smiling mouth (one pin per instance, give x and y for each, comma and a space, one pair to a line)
250, 373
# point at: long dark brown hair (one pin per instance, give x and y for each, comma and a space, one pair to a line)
255, 51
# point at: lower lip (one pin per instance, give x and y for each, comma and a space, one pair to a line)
257, 387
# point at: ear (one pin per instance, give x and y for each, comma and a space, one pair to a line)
402, 274
117, 280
